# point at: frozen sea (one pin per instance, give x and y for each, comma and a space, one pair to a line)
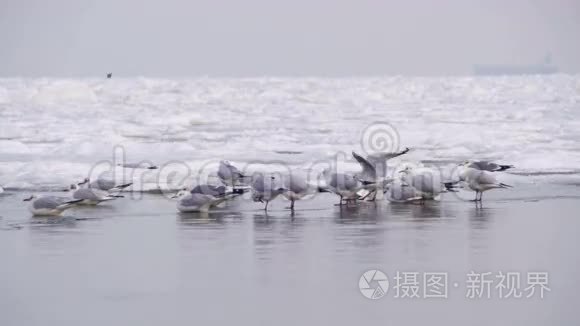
54, 131
137, 261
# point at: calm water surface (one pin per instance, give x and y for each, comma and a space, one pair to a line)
139, 262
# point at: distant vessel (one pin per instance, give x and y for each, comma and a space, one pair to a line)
544, 68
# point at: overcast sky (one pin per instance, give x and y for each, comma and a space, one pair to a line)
293, 37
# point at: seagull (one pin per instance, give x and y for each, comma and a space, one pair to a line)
229, 174
346, 186
426, 181
369, 170
297, 188
107, 185
486, 166
50, 205
476, 165
400, 192
374, 169
218, 191
385, 156
196, 202
91, 196
266, 189
480, 181
375, 162
140, 165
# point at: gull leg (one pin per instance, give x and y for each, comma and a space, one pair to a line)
292, 204
266, 207
365, 196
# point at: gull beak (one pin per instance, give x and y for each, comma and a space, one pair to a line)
28, 199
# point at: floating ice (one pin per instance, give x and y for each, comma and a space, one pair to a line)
71, 124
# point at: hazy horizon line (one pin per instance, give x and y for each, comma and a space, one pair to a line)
281, 76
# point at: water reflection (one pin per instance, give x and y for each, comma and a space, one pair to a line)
274, 233
428, 210
479, 217
58, 234
53, 222
207, 218
364, 212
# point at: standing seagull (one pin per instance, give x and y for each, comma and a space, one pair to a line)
426, 181
297, 188
49, 205
266, 189
344, 185
229, 174
400, 192
464, 167
480, 181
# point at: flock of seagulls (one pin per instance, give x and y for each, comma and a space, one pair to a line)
83, 193
410, 184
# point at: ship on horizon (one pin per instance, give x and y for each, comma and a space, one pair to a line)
544, 68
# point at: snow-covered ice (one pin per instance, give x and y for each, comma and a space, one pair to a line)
54, 131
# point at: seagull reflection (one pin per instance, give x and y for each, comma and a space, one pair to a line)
363, 213
479, 217
205, 218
